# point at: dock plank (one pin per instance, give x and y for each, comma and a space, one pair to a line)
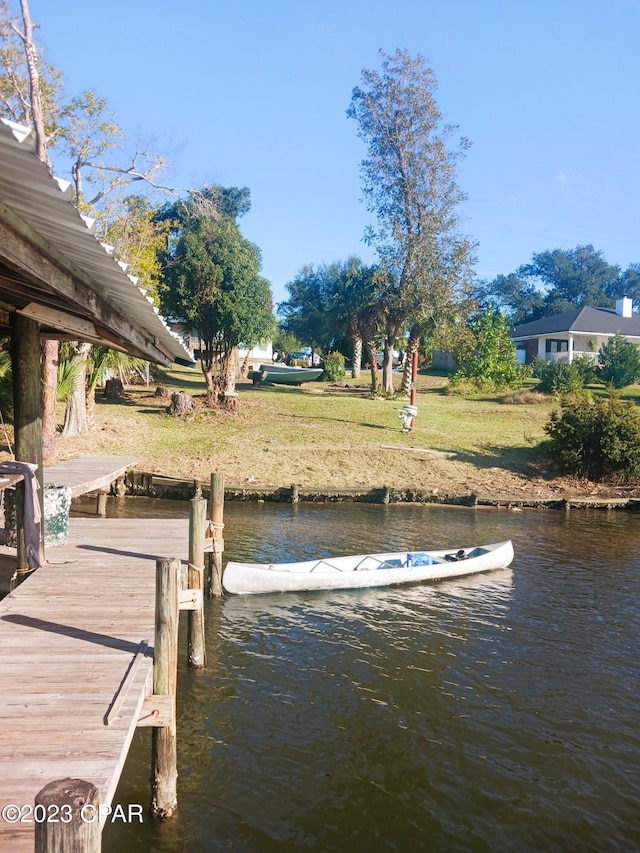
86, 473
68, 637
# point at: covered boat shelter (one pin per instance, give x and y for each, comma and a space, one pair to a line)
58, 281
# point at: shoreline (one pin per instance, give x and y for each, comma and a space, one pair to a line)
144, 484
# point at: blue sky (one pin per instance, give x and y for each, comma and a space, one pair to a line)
254, 94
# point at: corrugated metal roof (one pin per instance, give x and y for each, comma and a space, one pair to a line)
43, 202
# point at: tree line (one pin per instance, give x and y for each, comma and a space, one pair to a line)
187, 253
187, 249
558, 280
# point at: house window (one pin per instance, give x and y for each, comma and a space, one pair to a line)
556, 345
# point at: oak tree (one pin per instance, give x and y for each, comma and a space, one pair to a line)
213, 284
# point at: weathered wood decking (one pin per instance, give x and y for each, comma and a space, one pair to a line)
68, 636
84, 475
88, 473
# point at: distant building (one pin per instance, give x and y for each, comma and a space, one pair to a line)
581, 331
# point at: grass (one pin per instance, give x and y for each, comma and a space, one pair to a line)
335, 436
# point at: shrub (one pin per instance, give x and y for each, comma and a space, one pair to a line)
619, 362
558, 377
490, 360
334, 366
538, 367
585, 368
594, 439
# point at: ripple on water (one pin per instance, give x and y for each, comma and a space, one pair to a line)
497, 712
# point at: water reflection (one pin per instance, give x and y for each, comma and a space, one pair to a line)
495, 712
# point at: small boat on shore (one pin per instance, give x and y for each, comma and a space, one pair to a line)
364, 570
282, 374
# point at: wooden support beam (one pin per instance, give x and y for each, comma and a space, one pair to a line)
54, 278
196, 653
67, 817
164, 793
157, 711
27, 414
121, 695
82, 329
216, 527
190, 599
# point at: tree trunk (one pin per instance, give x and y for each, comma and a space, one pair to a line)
181, 404
49, 382
387, 367
231, 403
356, 363
90, 408
373, 364
207, 372
244, 369
37, 113
75, 416
229, 368
412, 346
113, 389
228, 371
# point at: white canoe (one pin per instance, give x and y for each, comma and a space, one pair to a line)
364, 570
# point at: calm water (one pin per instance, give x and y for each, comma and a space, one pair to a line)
496, 713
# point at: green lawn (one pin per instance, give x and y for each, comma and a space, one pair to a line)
329, 435
316, 434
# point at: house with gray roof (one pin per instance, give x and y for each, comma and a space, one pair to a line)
581, 331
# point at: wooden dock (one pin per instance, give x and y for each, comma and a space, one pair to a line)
86, 474
83, 475
69, 636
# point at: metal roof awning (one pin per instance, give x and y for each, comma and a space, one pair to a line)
55, 271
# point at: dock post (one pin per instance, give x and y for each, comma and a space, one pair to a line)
101, 504
164, 781
216, 516
78, 827
27, 418
195, 638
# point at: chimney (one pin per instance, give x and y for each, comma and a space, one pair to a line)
624, 306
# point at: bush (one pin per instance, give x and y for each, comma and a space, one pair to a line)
595, 439
558, 377
585, 368
538, 367
334, 366
619, 362
490, 360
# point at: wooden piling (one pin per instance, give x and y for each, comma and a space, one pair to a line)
216, 517
66, 817
164, 796
295, 493
101, 505
27, 415
197, 525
